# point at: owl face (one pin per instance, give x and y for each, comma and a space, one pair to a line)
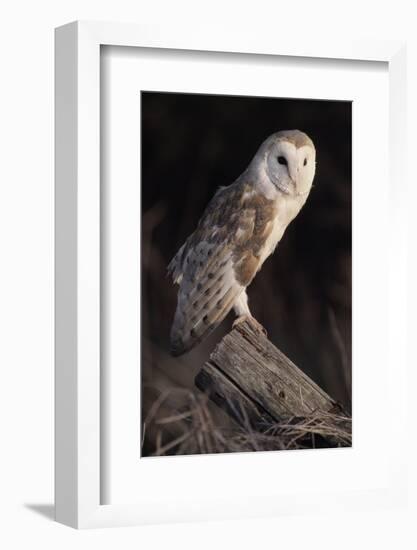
290, 166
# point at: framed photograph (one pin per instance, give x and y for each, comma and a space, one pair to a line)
230, 275
303, 300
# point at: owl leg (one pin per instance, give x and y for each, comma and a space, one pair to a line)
243, 313
241, 306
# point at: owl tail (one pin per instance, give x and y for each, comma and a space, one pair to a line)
189, 330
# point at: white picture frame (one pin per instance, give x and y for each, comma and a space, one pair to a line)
78, 405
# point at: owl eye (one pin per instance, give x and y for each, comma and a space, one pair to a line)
282, 160
305, 162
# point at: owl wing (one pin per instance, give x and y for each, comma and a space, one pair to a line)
208, 268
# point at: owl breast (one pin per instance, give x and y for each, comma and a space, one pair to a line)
277, 229
286, 212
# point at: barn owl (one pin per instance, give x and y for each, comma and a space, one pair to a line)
240, 228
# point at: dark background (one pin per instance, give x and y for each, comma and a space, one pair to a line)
191, 145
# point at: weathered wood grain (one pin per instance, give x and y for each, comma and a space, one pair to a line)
229, 397
250, 378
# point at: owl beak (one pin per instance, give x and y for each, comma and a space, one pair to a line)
293, 173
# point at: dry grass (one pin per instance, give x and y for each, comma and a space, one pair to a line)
193, 430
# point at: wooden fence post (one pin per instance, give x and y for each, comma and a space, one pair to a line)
253, 381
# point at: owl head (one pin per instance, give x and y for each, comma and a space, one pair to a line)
287, 161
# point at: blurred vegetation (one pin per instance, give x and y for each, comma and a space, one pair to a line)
193, 430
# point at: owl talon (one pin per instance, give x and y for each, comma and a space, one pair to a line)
255, 324
258, 326
239, 320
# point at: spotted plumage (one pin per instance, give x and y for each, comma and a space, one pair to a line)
239, 229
